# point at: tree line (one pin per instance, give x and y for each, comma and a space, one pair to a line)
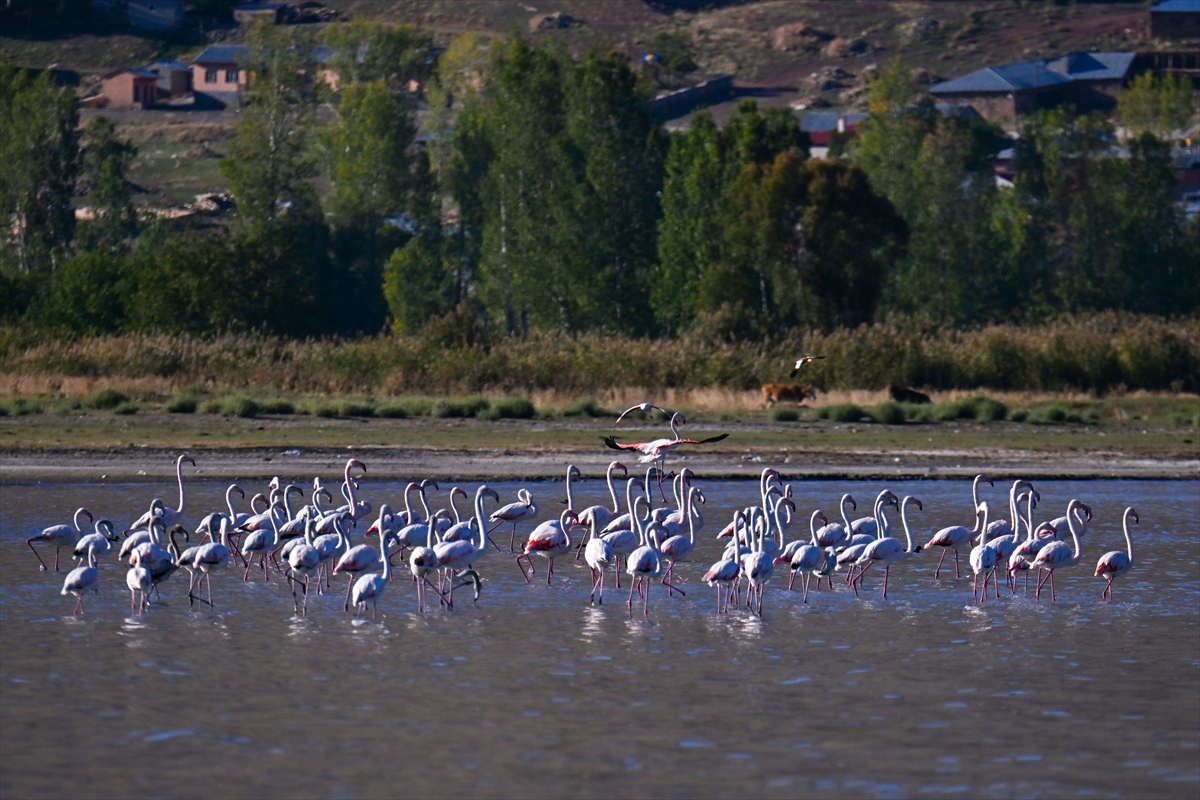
542, 193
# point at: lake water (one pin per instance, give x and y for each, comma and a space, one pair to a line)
532, 692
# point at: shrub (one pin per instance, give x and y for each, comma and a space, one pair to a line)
1020, 415
128, 407
278, 406
353, 408
104, 399
181, 404
585, 407
914, 412
489, 414
844, 412
66, 407
322, 409
985, 409
888, 414
210, 407
19, 407
512, 408
1048, 415
391, 411
193, 389
782, 414
466, 407
239, 407
416, 406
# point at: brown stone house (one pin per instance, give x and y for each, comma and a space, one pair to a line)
216, 72
130, 88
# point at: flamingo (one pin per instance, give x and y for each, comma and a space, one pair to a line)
370, 587
644, 408
1057, 554
163, 569
999, 538
983, 558
461, 529
100, 542
678, 547
656, 450
459, 556
1114, 564
357, 510
550, 540
801, 361
865, 530
834, 534
600, 514
81, 580
1000, 527
598, 554
624, 541
523, 509
364, 558
643, 563
139, 580
209, 525
802, 556
1027, 550
422, 561
331, 546
208, 558
303, 559
60, 536
1082, 516
260, 543
955, 536
850, 555
887, 550
759, 568
726, 571
171, 516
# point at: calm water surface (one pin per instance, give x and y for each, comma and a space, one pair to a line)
532, 692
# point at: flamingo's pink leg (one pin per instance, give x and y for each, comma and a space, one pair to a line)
939, 566
35, 552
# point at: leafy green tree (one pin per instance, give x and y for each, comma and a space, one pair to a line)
364, 51
1150, 104
39, 151
106, 162
89, 294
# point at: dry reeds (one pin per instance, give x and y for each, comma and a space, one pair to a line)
1089, 354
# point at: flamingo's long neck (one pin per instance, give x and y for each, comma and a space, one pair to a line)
691, 500
350, 494
179, 478
383, 556
675, 426
229, 501
570, 496
904, 522
812, 526
479, 521
975, 491
79, 512
845, 519
1074, 534
454, 508
612, 490
1128, 539
981, 523
565, 525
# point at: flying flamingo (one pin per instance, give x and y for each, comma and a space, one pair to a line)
1114, 564
599, 514
1057, 555
60, 536
801, 361
81, 580
887, 550
656, 450
171, 516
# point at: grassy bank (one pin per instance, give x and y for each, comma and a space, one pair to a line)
1104, 354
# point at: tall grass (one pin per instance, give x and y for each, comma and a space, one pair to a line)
1094, 353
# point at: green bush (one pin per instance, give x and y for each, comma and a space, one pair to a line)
489, 414
1020, 415
466, 407
1048, 415
783, 414
181, 404
239, 407
193, 390
278, 406
585, 407
213, 406
19, 407
66, 407
512, 408
917, 412
888, 414
355, 408
128, 407
985, 409
844, 412
322, 409
391, 411
416, 406
105, 399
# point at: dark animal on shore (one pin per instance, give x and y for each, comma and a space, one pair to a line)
902, 394
786, 393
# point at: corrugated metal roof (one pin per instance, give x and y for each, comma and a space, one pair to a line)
171, 65
1174, 6
1024, 75
1094, 66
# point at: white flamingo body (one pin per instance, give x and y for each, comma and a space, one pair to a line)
1057, 555
1115, 563
81, 580
59, 536
171, 516
139, 581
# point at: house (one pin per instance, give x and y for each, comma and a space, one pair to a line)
216, 72
155, 15
277, 13
821, 125
1089, 81
130, 88
174, 79
1175, 62
1176, 19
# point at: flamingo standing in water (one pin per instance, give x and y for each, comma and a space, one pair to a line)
1114, 564
644, 562
100, 542
60, 536
549, 540
956, 536
303, 560
523, 509
598, 554
679, 547
725, 572
887, 550
1057, 554
207, 559
983, 558
460, 555
81, 580
602, 515
171, 516
139, 581
804, 557
369, 588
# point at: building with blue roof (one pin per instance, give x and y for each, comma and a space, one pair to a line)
1176, 19
1089, 81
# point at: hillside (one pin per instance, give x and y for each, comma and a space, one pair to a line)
780, 51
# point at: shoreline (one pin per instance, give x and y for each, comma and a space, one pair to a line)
396, 463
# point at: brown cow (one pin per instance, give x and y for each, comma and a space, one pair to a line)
786, 393
902, 394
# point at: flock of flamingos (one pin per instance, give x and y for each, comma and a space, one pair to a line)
313, 544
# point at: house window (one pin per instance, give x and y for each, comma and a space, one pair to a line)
210, 76
137, 93
231, 76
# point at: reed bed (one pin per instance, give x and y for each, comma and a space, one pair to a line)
1098, 354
